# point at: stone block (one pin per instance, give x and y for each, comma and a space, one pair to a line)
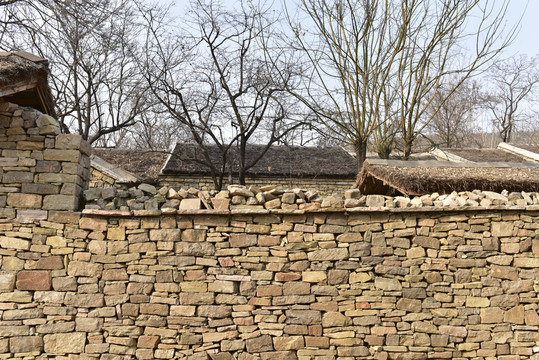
82, 268
360, 249
259, 344
24, 201
514, 315
34, 280
335, 319
67, 343
242, 240
191, 204
195, 248
7, 281
84, 300
328, 254
193, 235
165, 235
60, 202
491, 315
62, 155
288, 343
116, 233
88, 324
17, 177
314, 276
457, 331
387, 284
14, 243
25, 344
303, 317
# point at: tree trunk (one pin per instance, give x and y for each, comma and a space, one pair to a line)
407, 149
361, 153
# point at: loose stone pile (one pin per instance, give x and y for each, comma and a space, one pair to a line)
148, 197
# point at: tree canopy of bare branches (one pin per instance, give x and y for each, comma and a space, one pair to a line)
91, 46
382, 60
510, 89
214, 80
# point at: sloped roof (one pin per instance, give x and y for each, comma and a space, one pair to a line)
120, 175
426, 177
279, 161
23, 81
484, 155
146, 165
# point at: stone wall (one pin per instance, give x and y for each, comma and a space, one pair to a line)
324, 186
259, 273
40, 168
250, 284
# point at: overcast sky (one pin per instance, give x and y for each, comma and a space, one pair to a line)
527, 41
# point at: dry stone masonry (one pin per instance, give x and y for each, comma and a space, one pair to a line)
40, 168
291, 276
322, 284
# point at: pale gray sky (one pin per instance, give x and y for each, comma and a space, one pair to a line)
527, 41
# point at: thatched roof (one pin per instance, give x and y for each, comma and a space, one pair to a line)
23, 81
426, 177
279, 161
146, 165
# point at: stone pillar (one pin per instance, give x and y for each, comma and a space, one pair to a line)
40, 169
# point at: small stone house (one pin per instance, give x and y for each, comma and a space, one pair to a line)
326, 169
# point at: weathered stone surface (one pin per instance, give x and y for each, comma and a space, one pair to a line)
84, 300
68, 343
242, 240
81, 268
334, 318
25, 201
304, 317
259, 344
360, 249
50, 263
195, 249
491, 315
387, 284
288, 343
60, 202
25, 344
7, 282
458, 331
514, 315
328, 254
34, 280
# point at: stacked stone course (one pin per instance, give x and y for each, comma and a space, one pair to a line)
249, 285
40, 168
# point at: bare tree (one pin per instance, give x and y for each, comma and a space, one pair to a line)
362, 49
452, 117
91, 46
349, 48
214, 80
436, 33
512, 83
